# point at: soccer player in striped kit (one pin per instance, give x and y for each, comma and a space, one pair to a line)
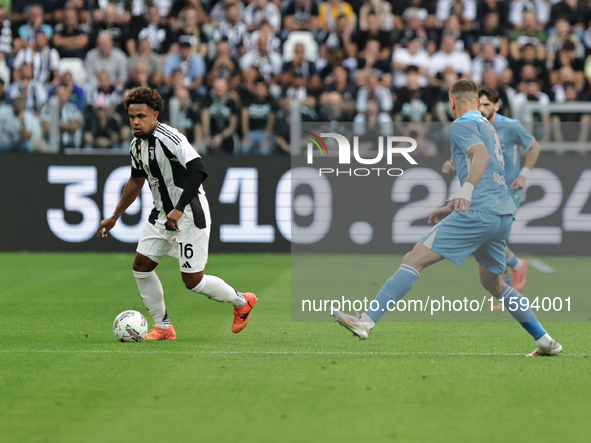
179, 224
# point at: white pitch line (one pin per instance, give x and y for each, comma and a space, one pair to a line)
541, 266
97, 351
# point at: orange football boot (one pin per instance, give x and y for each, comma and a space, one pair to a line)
161, 334
242, 314
519, 276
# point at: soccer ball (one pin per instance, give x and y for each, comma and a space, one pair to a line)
130, 326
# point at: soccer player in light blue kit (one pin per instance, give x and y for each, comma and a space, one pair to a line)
512, 135
477, 221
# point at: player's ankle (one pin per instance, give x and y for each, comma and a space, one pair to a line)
545, 341
367, 321
518, 265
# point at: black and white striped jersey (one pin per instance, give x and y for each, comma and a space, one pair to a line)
162, 158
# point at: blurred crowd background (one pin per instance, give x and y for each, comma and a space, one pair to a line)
235, 67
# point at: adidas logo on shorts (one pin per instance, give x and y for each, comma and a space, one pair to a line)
186, 265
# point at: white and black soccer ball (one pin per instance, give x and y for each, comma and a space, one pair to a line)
130, 326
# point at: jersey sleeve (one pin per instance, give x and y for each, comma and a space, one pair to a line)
465, 135
137, 171
524, 138
179, 147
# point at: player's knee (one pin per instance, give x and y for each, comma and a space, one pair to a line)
192, 280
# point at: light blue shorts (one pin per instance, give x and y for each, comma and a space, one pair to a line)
517, 197
479, 233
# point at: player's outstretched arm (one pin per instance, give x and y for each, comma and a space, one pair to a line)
130, 193
480, 161
530, 161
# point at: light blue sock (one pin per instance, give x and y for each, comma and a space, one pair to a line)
512, 259
526, 318
507, 278
394, 289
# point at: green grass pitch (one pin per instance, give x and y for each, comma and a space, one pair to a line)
64, 378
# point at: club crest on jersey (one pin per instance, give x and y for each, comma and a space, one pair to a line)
152, 152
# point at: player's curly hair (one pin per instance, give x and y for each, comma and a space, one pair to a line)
147, 96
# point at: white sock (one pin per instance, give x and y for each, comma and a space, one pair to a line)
217, 289
544, 341
153, 296
367, 321
518, 265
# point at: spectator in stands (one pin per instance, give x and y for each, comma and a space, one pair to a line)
297, 91
219, 120
17, 125
570, 126
69, 120
112, 11
441, 97
565, 76
465, 10
523, 77
415, 29
71, 38
106, 58
307, 68
4, 98
556, 41
112, 22
222, 66
412, 56
494, 33
412, 102
44, 60
529, 33
528, 57
569, 56
498, 7
464, 39
191, 65
160, 35
520, 8
301, 15
533, 94
233, 30
339, 96
105, 91
139, 77
258, 118
146, 56
573, 11
7, 50
426, 12
218, 12
75, 92
200, 6
489, 59
381, 10
373, 32
379, 96
102, 131
340, 37
35, 21
330, 11
189, 31
449, 57
188, 120
371, 60
268, 62
32, 91
259, 11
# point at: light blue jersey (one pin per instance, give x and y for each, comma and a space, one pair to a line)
491, 195
512, 135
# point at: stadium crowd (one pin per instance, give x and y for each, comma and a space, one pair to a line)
236, 67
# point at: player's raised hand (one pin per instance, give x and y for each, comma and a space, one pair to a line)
105, 226
518, 183
173, 218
